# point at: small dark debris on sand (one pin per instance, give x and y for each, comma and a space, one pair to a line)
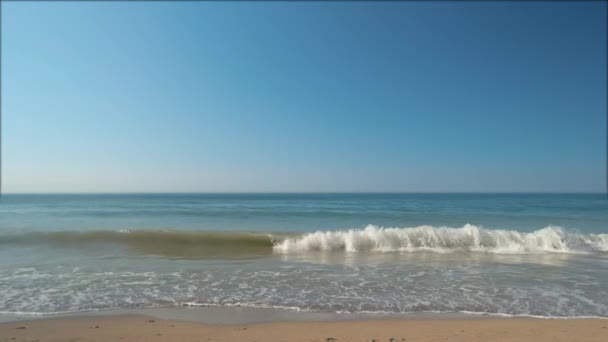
151, 321
21, 328
330, 339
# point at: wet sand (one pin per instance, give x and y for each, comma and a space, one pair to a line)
144, 328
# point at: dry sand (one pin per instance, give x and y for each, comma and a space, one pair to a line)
142, 328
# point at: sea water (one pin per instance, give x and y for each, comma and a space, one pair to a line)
501, 254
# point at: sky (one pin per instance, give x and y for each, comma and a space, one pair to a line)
304, 96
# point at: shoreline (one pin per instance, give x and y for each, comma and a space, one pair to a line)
139, 327
232, 315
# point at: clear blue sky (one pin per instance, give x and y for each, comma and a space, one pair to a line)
278, 96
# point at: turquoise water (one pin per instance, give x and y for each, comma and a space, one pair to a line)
301, 212
508, 254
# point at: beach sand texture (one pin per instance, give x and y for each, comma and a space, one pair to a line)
142, 328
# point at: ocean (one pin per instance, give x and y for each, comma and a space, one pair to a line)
542, 255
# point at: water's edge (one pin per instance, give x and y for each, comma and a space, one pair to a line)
247, 315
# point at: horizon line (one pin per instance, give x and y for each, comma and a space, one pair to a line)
292, 192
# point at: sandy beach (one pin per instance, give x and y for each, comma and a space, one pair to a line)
144, 328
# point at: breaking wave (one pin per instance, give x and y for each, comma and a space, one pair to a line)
469, 238
193, 244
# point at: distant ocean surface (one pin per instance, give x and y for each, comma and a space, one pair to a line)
503, 254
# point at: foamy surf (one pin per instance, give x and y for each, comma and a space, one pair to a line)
468, 238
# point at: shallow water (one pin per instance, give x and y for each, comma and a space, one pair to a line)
511, 254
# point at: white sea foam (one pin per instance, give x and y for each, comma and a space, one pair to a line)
550, 239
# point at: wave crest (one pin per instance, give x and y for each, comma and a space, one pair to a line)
550, 239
